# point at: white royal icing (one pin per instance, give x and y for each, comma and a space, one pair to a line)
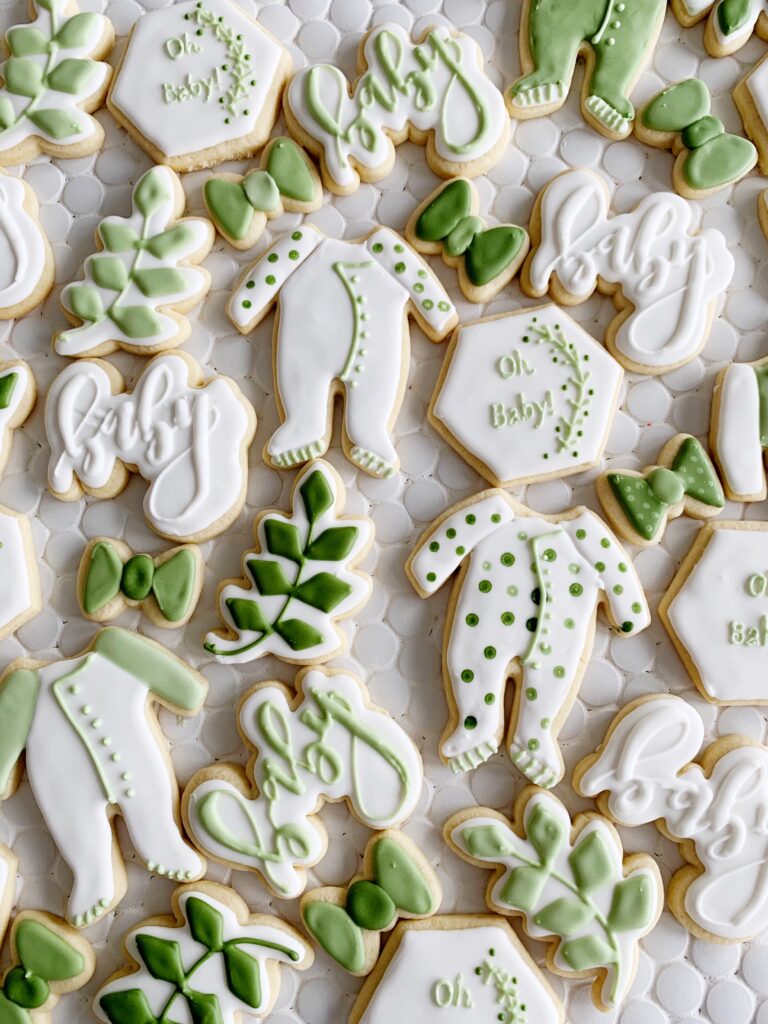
21, 593
736, 432
438, 85
23, 247
19, 394
672, 278
186, 441
757, 85
747, 20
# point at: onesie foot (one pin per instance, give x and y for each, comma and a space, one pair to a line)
93, 914
530, 92
296, 456
371, 462
538, 771
470, 759
614, 120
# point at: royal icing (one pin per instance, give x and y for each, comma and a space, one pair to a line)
18, 392
527, 593
730, 24
300, 581
91, 716
572, 888
8, 866
739, 429
341, 327
436, 87
327, 743
134, 288
24, 250
672, 277
527, 394
21, 598
187, 439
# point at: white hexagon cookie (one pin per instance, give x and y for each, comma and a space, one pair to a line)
526, 395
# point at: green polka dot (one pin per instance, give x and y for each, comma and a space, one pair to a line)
247, 303
627, 627
485, 586
636, 607
495, 518
377, 247
536, 595
618, 589
507, 559
569, 624
489, 698
251, 284
558, 672
533, 744
576, 589
531, 625
270, 278
605, 543
472, 619
512, 590
443, 306
460, 550
422, 273
531, 693
600, 566
272, 258
418, 287
471, 519
622, 567
431, 577
545, 723
581, 534
434, 546
467, 675
545, 648
470, 722
398, 248
522, 535
487, 565
573, 568
427, 304
489, 653
293, 254
450, 533
549, 555
297, 236
399, 267
507, 618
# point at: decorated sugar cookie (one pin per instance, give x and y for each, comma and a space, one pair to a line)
569, 882
21, 596
526, 395
714, 804
301, 579
91, 715
26, 260
730, 23
456, 969
8, 867
200, 83
639, 505
708, 158
142, 277
212, 961
325, 742
18, 393
397, 881
523, 607
341, 329
738, 429
53, 80
112, 578
751, 99
616, 39
187, 436
433, 91
666, 280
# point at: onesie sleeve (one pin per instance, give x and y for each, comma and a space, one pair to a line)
18, 699
168, 678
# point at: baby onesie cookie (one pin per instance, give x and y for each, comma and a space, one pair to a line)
187, 436
714, 804
397, 881
434, 92
447, 223
738, 429
240, 205
453, 969
324, 742
341, 330
708, 158
639, 505
21, 596
751, 99
112, 578
142, 278
212, 962
730, 23
200, 83
526, 395
91, 715
299, 581
614, 37
26, 260
570, 884
665, 278
523, 607
53, 80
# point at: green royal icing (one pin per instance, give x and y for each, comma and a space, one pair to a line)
43, 957
18, 700
166, 677
370, 906
7, 386
102, 580
336, 933
761, 375
732, 14
136, 581
400, 878
172, 583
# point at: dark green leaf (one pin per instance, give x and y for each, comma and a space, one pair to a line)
564, 916
590, 863
151, 192
24, 41
323, 591
334, 544
317, 495
160, 281
84, 302
79, 30
45, 953
247, 615
331, 927
269, 577
127, 1007
71, 76
546, 832
173, 243
487, 842
7, 113
283, 539
587, 952
8, 383
117, 237
136, 321
56, 123
632, 904
206, 924
299, 636
109, 272
523, 888
203, 1008
243, 976
162, 957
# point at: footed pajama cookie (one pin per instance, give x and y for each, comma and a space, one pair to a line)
665, 278
730, 24
341, 329
616, 39
26, 260
639, 505
434, 92
325, 742
187, 436
200, 83
301, 579
142, 278
212, 962
397, 882
53, 80
738, 429
570, 883
523, 607
456, 969
94, 750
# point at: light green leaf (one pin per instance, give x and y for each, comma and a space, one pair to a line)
24, 41
261, 191
137, 321
160, 281
333, 930
10, 1013
79, 30
7, 114
523, 888
333, 545
283, 539
247, 615
117, 237
487, 842
173, 243
564, 916
206, 924
84, 302
590, 863
108, 272
243, 979
586, 952
324, 591
45, 953
317, 495
289, 169
632, 904
58, 124
268, 577
299, 636
23, 77
546, 832
71, 76
162, 957
151, 192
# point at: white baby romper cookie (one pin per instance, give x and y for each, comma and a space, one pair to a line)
26, 260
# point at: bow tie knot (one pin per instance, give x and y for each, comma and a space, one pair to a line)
171, 581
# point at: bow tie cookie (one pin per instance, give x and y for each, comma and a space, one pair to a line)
26, 269
730, 23
639, 505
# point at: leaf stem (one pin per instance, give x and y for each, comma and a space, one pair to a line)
179, 991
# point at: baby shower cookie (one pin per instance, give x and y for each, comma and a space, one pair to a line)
751, 99
639, 505
666, 279
570, 884
299, 581
434, 92
397, 881
26, 260
92, 714
730, 23
714, 804
187, 436
212, 961
615, 39
523, 607
708, 158
21, 596
325, 741
8, 867
354, 345
18, 393
526, 395
200, 83
738, 429
112, 578
142, 278
53, 80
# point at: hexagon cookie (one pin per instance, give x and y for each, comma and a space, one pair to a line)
526, 395
200, 83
